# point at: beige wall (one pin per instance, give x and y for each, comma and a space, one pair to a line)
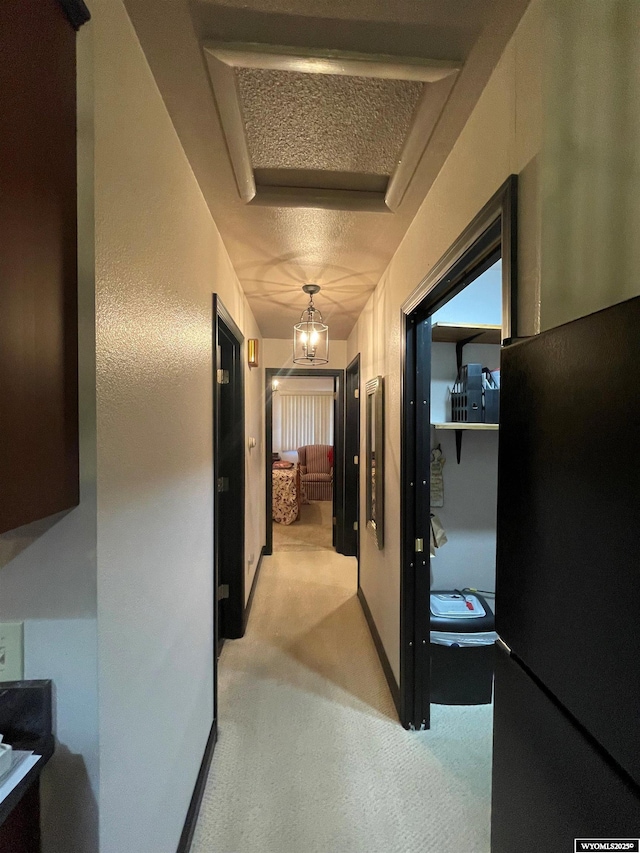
502, 136
279, 353
159, 257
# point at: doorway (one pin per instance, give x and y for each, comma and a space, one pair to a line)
489, 239
229, 477
299, 476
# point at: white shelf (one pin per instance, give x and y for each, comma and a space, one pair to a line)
471, 332
462, 425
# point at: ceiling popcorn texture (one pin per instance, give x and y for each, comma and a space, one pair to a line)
319, 121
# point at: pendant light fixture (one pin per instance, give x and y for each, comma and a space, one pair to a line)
311, 335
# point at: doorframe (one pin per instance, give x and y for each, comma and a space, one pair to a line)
272, 373
352, 442
219, 314
236, 602
493, 229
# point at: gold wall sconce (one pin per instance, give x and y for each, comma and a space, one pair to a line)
252, 352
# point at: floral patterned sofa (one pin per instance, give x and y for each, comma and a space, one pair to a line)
316, 471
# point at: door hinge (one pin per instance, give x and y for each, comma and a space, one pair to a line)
419, 546
356, 393
223, 591
355, 460
223, 377
223, 484
355, 525
334, 520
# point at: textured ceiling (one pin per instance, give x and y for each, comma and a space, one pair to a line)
319, 121
275, 250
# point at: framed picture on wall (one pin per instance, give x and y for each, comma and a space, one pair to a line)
375, 459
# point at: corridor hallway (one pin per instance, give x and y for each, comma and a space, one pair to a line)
311, 757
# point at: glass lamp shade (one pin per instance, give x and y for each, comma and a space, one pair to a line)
310, 340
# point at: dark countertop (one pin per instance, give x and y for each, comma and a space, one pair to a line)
26, 723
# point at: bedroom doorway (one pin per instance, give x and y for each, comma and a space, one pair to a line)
304, 459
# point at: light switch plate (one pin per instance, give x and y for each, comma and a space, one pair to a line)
11, 651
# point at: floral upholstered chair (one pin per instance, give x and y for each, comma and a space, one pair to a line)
316, 470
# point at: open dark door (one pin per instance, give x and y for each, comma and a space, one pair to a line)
490, 235
416, 582
422, 491
351, 460
229, 482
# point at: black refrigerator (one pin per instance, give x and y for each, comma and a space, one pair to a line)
566, 759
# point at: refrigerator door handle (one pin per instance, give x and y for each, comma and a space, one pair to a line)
500, 643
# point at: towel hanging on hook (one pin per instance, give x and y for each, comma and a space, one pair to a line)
437, 536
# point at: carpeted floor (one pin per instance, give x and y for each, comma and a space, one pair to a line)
311, 757
311, 532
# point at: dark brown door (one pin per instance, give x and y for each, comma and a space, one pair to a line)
229, 481
351, 459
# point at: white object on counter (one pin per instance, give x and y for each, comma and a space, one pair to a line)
23, 762
6, 757
454, 605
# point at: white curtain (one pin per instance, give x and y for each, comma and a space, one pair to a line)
306, 419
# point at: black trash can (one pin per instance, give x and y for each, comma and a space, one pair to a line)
462, 648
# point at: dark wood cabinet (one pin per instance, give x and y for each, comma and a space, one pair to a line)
26, 717
38, 266
20, 832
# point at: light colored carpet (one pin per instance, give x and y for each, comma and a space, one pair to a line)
311, 757
311, 532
